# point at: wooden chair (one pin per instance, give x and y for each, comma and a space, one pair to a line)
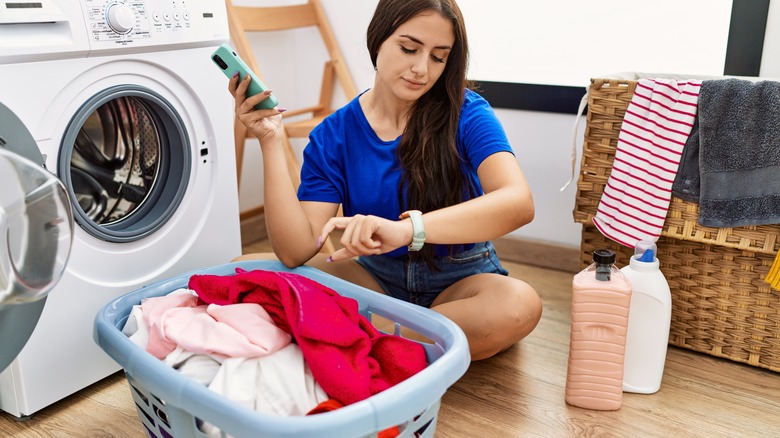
244, 19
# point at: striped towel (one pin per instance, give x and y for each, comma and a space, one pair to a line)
657, 123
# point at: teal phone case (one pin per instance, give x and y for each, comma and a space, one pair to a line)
227, 60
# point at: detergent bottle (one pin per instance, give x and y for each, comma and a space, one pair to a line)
601, 296
648, 321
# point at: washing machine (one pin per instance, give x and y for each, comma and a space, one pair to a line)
127, 109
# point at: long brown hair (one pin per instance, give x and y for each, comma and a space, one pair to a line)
432, 175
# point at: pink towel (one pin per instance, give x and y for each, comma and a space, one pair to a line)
154, 311
237, 330
348, 357
657, 123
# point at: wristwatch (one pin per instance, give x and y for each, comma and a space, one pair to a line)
418, 229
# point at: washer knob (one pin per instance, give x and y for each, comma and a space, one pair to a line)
120, 17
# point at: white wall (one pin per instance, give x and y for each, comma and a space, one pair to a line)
542, 141
567, 42
770, 61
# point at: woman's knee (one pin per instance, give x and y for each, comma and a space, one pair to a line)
255, 256
527, 309
511, 312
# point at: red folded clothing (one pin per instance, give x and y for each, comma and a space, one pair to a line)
347, 355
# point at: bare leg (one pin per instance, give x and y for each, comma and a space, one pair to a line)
494, 311
348, 270
256, 256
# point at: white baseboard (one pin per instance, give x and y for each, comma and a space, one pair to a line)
538, 253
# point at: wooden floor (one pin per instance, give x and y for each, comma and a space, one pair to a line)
516, 394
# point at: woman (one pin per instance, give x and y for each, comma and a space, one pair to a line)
422, 169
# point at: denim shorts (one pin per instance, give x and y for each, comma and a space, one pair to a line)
414, 281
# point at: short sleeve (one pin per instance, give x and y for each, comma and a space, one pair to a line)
321, 172
480, 132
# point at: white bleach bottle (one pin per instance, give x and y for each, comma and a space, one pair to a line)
649, 319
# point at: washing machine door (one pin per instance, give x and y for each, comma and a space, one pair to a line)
125, 161
36, 233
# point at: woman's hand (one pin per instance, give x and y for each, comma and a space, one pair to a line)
367, 235
263, 124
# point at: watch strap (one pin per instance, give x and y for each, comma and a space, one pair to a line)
418, 229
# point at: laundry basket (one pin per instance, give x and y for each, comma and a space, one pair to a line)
171, 405
721, 304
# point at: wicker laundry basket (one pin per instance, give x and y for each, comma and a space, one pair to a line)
721, 304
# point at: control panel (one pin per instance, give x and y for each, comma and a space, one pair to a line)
32, 30
123, 23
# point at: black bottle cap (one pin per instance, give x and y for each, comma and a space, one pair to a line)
604, 256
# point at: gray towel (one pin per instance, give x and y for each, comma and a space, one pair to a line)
739, 153
687, 183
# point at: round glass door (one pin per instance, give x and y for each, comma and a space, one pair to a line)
125, 160
36, 233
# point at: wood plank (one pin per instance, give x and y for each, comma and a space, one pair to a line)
104, 409
260, 19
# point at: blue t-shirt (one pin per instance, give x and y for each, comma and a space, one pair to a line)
346, 163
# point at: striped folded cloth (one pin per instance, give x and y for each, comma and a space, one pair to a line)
656, 125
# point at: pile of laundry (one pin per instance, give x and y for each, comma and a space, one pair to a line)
276, 342
711, 142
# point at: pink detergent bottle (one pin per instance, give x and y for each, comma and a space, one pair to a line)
601, 296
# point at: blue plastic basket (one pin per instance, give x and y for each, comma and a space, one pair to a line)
171, 405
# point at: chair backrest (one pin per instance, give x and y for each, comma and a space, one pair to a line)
245, 19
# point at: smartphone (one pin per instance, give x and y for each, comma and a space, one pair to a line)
229, 62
